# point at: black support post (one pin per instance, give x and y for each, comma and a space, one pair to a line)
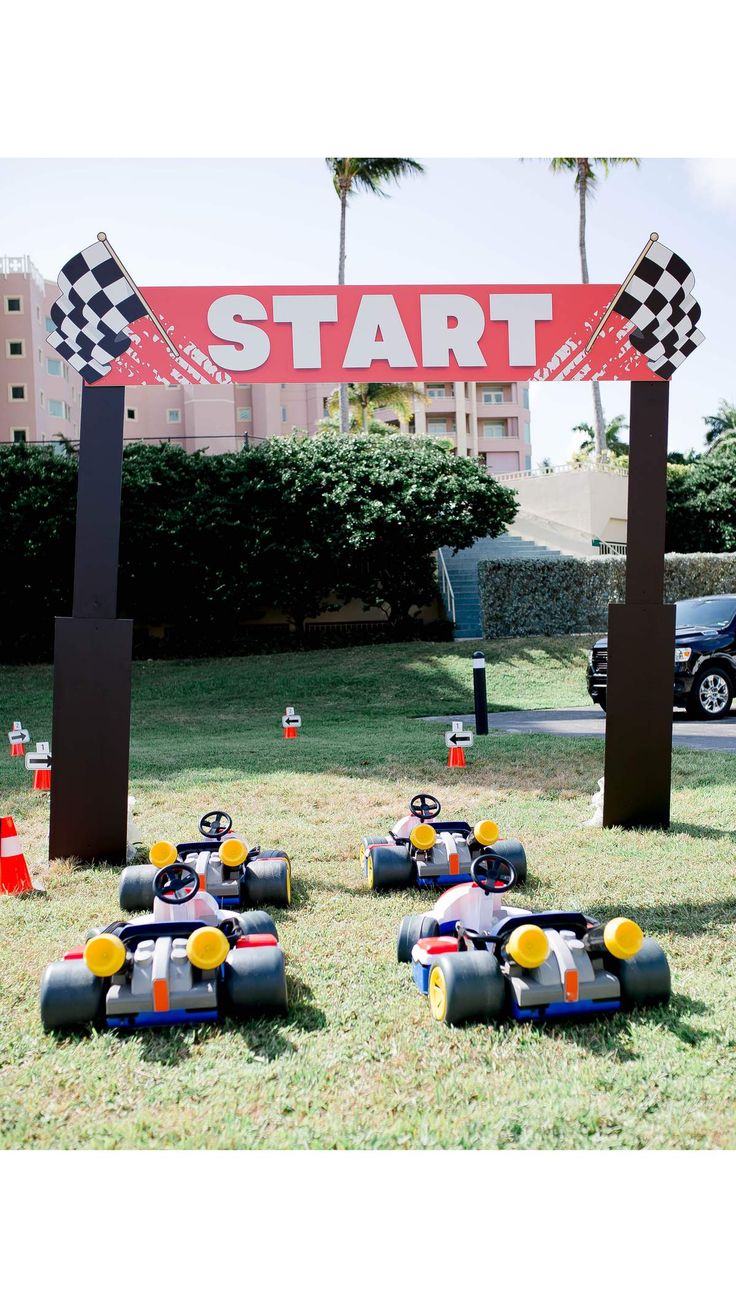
480, 693
92, 656
641, 634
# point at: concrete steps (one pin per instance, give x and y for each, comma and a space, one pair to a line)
462, 569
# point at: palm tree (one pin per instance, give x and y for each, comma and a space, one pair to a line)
721, 425
362, 175
614, 444
586, 182
365, 397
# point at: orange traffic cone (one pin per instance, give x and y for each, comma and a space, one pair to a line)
456, 757
16, 746
14, 875
42, 778
290, 721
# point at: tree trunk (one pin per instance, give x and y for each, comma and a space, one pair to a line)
344, 405
599, 421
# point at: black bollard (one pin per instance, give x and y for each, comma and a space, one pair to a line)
480, 693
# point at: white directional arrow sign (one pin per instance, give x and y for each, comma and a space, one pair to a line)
291, 719
459, 737
19, 736
40, 760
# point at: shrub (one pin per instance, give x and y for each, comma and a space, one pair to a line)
552, 597
208, 543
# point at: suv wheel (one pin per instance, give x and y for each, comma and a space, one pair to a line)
711, 694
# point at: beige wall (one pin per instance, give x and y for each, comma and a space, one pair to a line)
589, 500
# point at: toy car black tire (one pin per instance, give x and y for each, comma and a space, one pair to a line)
70, 995
267, 880
135, 890
414, 927
390, 867
255, 980
258, 923
514, 851
644, 979
365, 847
474, 985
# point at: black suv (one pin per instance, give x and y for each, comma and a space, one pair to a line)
705, 657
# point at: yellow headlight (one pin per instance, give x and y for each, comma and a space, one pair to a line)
423, 836
486, 832
104, 954
233, 852
207, 947
528, 946
163, 853
622, 937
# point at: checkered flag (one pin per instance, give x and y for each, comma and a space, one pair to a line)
96, 303
658, 301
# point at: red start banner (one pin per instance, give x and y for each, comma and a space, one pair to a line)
378, 333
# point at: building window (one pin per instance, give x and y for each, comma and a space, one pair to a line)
436, 392
17, 391
131, 415
494, 431
492, 397
525, 397
15, 349
19, 435
436, 428
283, 413
54, 368
42, 398
13, 304
56, 408
173, 415
527, 434
244, 414
50, 325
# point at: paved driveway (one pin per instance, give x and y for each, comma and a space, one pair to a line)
589, 721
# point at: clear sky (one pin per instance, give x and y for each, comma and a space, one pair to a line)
259, 221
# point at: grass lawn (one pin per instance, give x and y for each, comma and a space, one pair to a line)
358, 1062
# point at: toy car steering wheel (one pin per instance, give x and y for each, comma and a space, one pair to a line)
493, 873
176, 884
215, 824
425, 807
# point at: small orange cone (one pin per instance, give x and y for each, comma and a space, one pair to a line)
14, 875
16, 746
456, 757
42, 778
290, 721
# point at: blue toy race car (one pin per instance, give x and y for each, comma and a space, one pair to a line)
422, 851
237, 876
190, 961
478, 961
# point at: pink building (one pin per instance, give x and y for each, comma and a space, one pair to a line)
40, 396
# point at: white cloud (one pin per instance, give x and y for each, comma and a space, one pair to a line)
715, 180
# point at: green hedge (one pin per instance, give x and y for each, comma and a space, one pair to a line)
209, 544
553, 597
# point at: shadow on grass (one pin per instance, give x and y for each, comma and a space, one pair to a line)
613, 1038
703, 833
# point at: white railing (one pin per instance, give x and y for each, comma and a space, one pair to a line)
611, 547
445, 585
559, 467
20, 263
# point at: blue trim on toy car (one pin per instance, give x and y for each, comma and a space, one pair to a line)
580, 1008
174, 1017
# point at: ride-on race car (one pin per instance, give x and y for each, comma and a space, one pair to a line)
419, 850
190, 961
238, 877
479, 961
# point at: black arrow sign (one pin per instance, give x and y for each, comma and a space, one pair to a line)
290, 721
463, 736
